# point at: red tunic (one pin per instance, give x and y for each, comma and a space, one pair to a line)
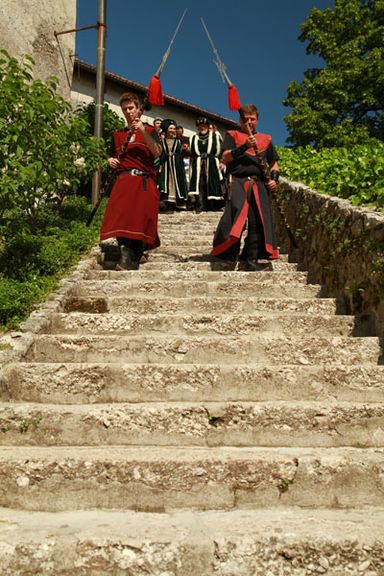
133, 207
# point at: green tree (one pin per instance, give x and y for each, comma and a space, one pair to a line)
343, 103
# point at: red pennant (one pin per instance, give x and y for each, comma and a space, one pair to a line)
233, 98
155, 93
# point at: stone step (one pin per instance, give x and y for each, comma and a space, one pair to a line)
190, 218
192, 266
94, 383
268, 542
277, 424
161, 479
237, 285
204, 324
146, 274
214, 305
200, 262
205, 349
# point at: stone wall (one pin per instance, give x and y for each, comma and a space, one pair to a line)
341, 246
28, 26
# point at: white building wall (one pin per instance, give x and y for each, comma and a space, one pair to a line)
28, 26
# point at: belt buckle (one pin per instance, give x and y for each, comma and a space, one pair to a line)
136, 172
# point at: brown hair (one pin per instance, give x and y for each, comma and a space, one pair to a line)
248, 109
131, 97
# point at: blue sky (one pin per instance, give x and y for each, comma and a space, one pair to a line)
257, 40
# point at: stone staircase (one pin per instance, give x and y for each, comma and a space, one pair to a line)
179, 421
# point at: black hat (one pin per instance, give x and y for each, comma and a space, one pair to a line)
165, 124
202, 120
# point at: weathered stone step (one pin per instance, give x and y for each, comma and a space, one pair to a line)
128, 282
189, 222
92, 383
146, 274
161, 261
156, 479
287, 424
205, 349
157, 262
204, 324
270, 542
149, 305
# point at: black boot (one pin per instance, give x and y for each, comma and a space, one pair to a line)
252, 265
128, 259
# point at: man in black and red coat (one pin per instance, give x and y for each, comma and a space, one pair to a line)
248, 203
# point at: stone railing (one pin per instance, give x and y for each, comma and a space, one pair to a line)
341, 246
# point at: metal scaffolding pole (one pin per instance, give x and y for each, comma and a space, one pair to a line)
100, 84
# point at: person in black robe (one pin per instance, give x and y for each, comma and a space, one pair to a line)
205, 185
172, 181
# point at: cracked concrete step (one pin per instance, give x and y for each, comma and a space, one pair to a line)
156, 479
126, 282
200, 304
93, 383
205, 349
146, 274
185, 543
205, 324
277, 423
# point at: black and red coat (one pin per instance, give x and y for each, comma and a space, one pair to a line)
246, 179
133, 207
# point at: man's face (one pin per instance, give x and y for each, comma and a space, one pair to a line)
249, 122
203, 128
179, 132
131, 111
156, 125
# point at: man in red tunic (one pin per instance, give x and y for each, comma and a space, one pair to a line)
248, 204
132, 211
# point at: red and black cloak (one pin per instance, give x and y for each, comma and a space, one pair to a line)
246, 180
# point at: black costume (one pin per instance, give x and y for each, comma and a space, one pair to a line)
206, 177
248, 200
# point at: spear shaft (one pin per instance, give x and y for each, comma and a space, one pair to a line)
219, 63
168, 51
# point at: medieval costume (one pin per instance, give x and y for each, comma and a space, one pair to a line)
132, 211
248, 202
172, 182
205, 185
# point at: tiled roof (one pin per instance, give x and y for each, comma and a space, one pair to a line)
171, 100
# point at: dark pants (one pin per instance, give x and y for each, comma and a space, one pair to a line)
136, 247
254, 242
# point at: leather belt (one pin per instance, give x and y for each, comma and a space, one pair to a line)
136, 172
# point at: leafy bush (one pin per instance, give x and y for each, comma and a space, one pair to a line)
47, 154
16, 298
46, 151
355, 173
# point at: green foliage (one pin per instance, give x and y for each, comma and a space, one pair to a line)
111, 120
17, 297
355, 173
341, 104
31, 265
46, 151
